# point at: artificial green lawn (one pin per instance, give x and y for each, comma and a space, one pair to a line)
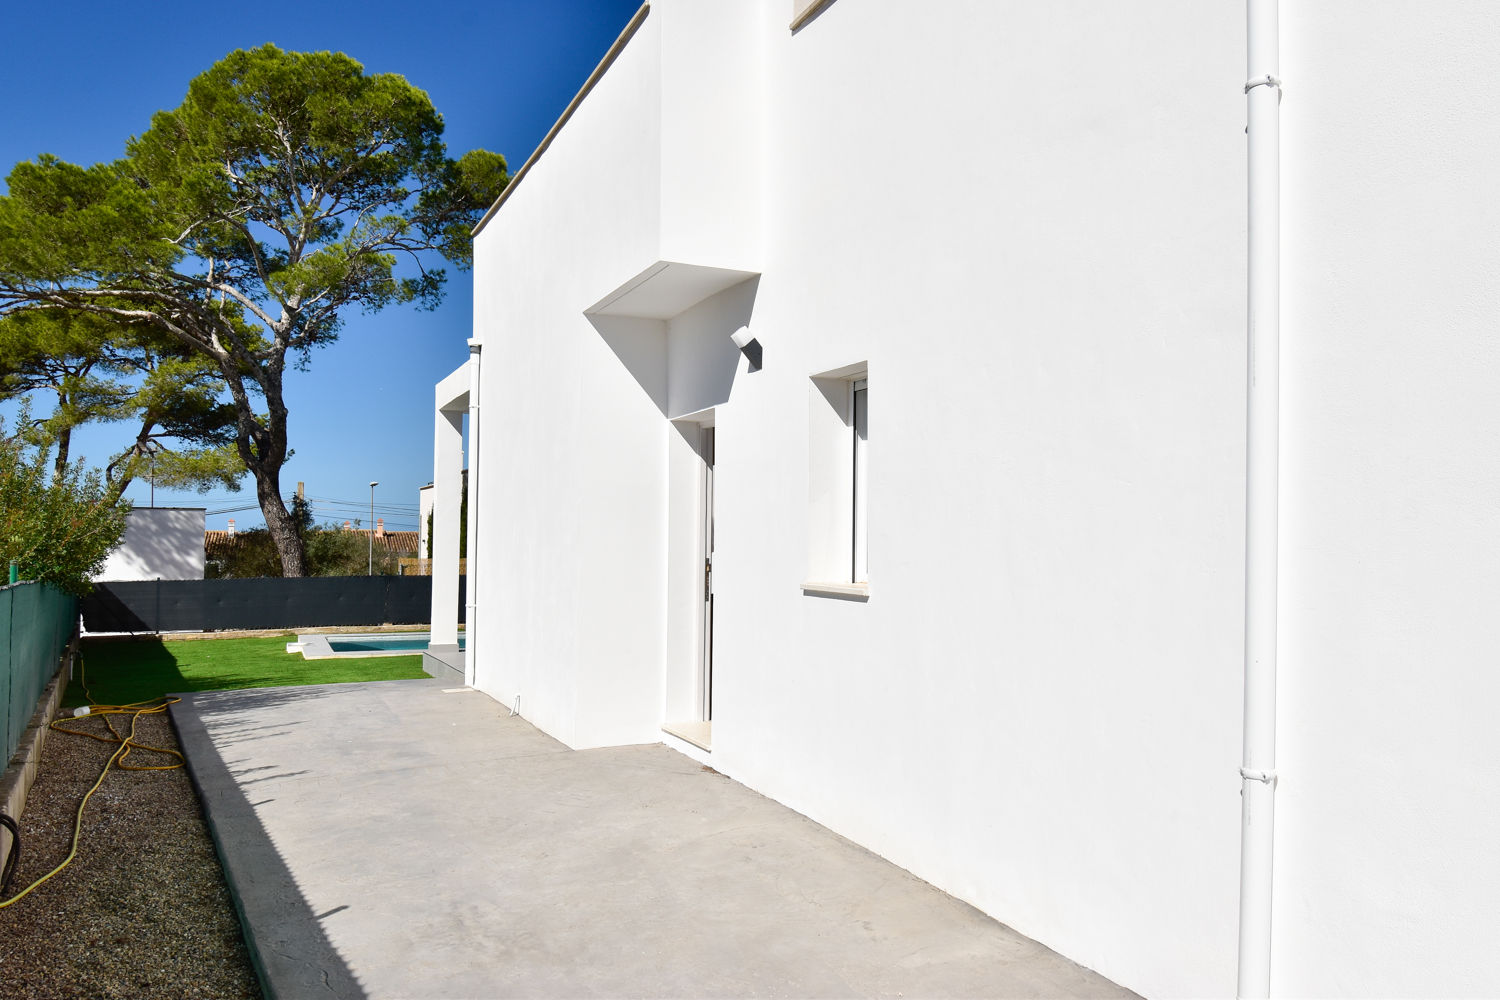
122, 672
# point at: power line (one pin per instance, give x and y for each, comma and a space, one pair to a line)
391, 523
365, 509
325, 505
327, 508
232, 510
360, 503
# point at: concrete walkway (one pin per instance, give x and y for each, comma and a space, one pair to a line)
408, 839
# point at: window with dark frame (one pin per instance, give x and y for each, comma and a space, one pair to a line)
859, 568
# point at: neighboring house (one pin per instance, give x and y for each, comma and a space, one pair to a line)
952, 557
424, 513
424, 516
160, 543
219, 545
402, 544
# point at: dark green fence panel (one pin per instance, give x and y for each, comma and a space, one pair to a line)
36, 622
261, 602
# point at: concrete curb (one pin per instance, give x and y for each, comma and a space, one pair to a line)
292, 956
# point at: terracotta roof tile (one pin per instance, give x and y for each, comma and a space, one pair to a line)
218, 544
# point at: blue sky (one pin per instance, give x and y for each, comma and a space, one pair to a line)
78, 79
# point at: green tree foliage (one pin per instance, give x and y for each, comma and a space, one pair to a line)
59, 527
335, 552
250, 554
98, 370
286, 189
183, 430
331, 551
66, 357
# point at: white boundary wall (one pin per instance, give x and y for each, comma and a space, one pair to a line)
160, 543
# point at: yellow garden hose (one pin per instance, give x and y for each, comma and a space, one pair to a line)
125, 743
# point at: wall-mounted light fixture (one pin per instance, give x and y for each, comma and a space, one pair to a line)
748, 345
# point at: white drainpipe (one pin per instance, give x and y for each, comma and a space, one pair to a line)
1258, 774
471, 594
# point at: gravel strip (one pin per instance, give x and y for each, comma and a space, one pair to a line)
143, 910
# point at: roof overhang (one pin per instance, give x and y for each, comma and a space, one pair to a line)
667, 289
453, 391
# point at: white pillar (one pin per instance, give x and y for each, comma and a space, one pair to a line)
447, 491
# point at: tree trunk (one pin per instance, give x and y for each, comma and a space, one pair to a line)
279, 523
267, 472
117, 489
60, 464
262, 447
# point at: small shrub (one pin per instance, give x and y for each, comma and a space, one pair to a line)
59, 526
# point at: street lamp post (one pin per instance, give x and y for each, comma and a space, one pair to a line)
372, 528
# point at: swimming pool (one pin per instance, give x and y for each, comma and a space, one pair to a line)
317, 646
364, 643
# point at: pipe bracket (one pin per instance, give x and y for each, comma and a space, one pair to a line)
1266, 81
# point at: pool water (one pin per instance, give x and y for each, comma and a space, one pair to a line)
365, 644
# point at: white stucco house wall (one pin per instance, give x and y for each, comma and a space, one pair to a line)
424, 511
952, 558
160, 543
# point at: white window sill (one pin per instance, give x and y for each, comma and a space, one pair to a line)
859, 591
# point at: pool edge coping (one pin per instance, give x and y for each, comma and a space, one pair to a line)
315, 645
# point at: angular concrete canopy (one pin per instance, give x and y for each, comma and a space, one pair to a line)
667, 289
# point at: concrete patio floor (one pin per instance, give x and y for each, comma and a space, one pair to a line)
409, 839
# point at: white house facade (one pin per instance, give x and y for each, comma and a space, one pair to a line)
859, 403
